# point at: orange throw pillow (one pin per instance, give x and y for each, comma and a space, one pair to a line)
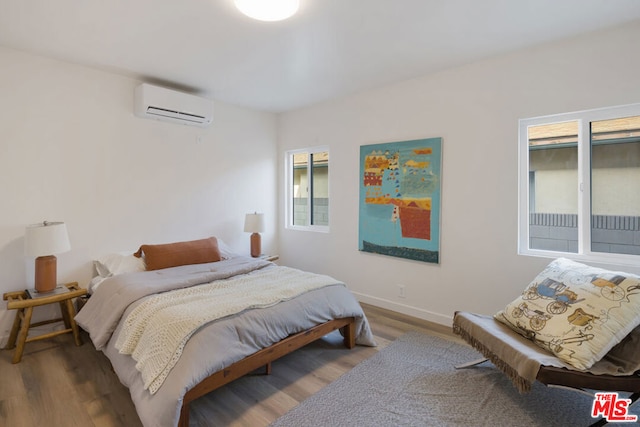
180, 253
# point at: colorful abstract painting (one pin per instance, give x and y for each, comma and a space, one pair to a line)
400, 199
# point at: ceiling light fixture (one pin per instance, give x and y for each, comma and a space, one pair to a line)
268, 10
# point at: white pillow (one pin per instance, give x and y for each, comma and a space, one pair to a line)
225, 251
118, 263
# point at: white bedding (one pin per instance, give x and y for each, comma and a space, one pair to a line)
214, 346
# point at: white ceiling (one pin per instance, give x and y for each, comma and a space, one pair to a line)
330, 48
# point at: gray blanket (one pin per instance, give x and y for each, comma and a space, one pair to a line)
214, 346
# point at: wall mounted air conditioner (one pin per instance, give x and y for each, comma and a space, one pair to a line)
154, 102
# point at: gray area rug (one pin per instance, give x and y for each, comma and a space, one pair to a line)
413, 382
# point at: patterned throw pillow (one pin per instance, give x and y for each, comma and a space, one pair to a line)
575, 311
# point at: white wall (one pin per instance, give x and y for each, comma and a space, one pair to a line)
475, 109
71, 150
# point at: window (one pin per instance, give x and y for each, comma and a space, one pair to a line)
580, 185
307, 178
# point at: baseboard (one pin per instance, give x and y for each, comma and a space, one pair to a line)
405, 309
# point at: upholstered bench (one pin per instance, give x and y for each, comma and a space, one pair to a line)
524, 362
573, 326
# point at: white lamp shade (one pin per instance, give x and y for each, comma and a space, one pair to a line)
268, 10
254, 223
47, 238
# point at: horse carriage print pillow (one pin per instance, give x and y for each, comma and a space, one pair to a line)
575, 311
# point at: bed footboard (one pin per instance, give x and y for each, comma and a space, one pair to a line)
264, 357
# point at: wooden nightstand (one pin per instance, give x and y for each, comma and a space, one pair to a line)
24, 301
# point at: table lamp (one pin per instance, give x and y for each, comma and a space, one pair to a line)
43, 240
254, 223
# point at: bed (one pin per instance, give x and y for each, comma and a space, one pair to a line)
136, 318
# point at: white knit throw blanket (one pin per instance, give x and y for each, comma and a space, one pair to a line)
156, 331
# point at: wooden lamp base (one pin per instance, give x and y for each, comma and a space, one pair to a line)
46, 273
255, 245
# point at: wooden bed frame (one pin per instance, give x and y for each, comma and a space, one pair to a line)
264, 357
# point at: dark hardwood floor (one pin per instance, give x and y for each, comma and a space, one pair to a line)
59, 384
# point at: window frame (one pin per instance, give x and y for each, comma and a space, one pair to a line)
289, 196
584, 119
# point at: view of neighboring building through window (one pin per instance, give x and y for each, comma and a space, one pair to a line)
580, 183
308, 188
